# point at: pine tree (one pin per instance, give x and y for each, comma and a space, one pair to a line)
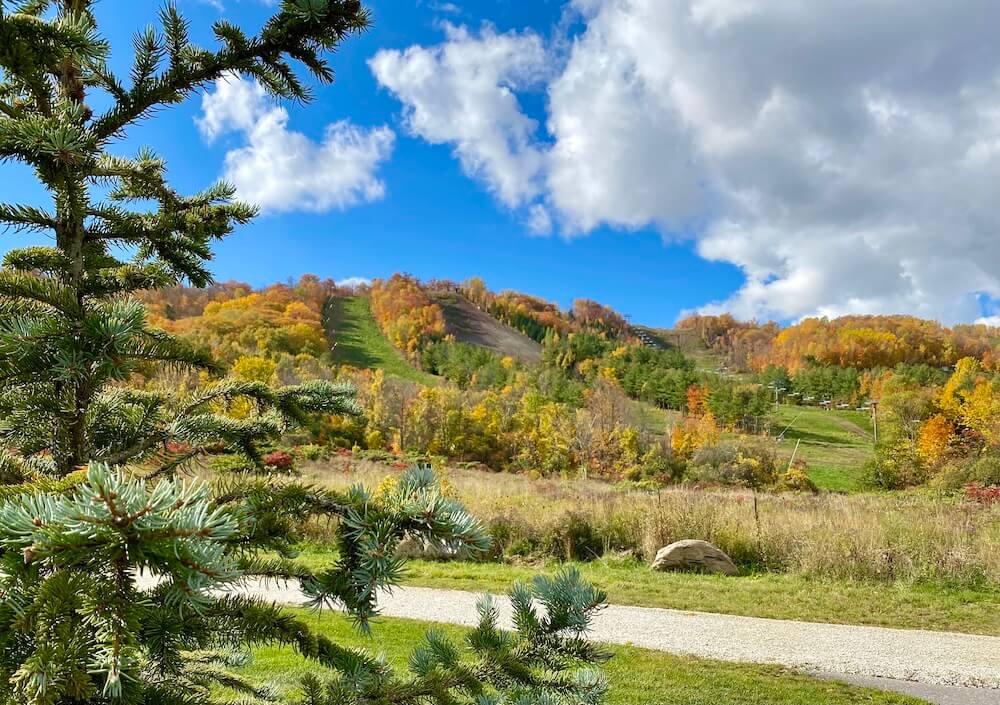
90, 498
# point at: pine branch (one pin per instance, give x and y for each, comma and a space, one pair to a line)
28, 218
301, 28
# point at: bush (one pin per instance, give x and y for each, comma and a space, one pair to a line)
228, 462
986, 471
952, 476
894, 467
956, 473
311, 451
374, 440
573, 538
795, 479
279, 460
740, 463
982, 495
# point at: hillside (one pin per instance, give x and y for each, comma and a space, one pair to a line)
623, 405
834, 443
689, 343
467, 323
358, 342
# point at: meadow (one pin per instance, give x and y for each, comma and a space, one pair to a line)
915, 560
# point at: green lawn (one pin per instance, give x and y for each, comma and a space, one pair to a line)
637, 676
835, 444
360, 343
772, 595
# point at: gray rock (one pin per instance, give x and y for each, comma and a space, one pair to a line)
412, 548
694, 555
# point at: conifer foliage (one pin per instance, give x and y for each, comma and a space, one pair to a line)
117, 576
70, 332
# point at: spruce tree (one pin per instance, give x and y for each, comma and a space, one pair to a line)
117, 576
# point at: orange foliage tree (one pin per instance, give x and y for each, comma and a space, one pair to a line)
406, 315
935, 436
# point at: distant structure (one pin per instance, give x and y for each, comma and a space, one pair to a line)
646, 339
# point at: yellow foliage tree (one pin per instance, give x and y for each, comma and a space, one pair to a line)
253, 368
961, 383
981, 411
935, 435
694, 433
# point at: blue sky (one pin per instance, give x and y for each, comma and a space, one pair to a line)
672, 153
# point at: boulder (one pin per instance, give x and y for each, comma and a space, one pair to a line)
418, 549
694, 555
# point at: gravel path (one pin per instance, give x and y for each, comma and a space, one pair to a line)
933, 658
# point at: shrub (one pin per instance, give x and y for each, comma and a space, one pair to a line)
894, 467
374, 440
952, 476
227, 463
573, 537
311, 451
986, 470
795, 479
983, 495
740, 463
279, 460
955, 474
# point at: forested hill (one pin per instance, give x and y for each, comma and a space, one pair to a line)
516, 382
862, 342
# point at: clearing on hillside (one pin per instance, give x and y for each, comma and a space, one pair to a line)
689, 343
836, 444
358, 342
468, 324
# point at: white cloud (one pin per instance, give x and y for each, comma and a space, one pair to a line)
844, 156
283, 170
539, 220
463, 93
353, 282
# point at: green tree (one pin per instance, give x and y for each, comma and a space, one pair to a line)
90, 499
70, 334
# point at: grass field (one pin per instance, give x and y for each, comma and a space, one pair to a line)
636, 676
360, 343
769, 595
902, 560
835, 444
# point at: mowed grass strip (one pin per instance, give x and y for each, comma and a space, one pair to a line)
769, 595
636, 676
360, 343
835, 444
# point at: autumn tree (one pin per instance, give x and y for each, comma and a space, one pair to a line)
935, 435
406, 314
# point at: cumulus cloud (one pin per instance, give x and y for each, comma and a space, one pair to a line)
463, 93
283, 170
843, 155
353, 282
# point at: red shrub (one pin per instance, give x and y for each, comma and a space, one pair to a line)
279, 459
984, 495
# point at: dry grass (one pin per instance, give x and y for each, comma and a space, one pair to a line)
915, 537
